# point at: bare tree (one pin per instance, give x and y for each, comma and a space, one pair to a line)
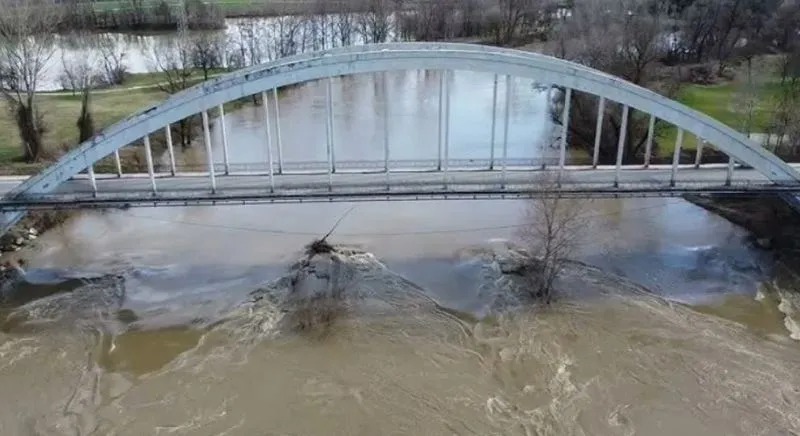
375, 23
783, 29
344, 27
172, 57
552, 231
750, 90
625, 38
785, 112
112, 55
715, 29
26, 46
285, 38
511, 16
248, 46
320, 24
431, 21
207, 52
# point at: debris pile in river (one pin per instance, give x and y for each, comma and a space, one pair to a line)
326, 285
96, 298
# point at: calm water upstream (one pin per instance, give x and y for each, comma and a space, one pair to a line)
185, 357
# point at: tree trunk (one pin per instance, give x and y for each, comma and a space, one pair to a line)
85, 121
30, 132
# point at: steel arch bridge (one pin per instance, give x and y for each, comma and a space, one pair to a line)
63, 185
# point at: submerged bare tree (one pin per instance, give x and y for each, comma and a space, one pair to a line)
26, 46
553, 229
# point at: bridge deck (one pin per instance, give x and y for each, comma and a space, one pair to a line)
136, 190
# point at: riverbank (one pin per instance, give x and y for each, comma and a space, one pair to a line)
771, 221
160, 15
29, 228
61, 109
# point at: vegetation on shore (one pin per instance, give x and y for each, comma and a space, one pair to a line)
59, 113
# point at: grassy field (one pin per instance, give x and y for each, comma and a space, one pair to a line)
140, 81
61, 109
724, 102
60, 114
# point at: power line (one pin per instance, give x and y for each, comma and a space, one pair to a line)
378, 234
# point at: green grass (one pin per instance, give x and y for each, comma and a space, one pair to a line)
723, 102
151, 80
61, 110
60, 114
154, 79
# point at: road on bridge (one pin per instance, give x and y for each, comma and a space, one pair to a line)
133, 190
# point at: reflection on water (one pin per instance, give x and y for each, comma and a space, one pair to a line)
166, 346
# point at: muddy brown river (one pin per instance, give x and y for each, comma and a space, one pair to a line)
674, 331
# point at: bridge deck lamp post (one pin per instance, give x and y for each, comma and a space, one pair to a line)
698, 158
506, 120
598, 131
170, 150
623, 132
224, 132
92, 179
330, 131
676, 157
448, 79
278, 129
209, 155
494, 123
118, 163
148, 154
648, 148
729, 174
265, 105
562, 149
385, 83
441, 118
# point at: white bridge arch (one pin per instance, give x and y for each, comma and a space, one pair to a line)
401, 56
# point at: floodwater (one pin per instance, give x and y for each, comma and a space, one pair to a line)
433, 341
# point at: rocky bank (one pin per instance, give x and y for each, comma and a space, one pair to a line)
25, 232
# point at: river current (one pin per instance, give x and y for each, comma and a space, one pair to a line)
175, 319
